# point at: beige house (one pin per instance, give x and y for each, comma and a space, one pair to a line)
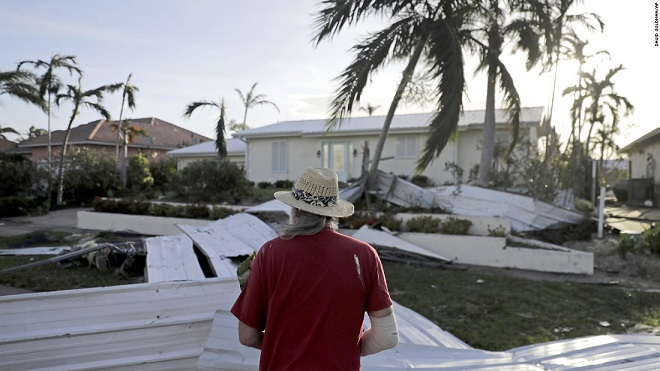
644, 154
208, 151
281, 151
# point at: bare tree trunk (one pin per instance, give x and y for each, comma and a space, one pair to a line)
405, 79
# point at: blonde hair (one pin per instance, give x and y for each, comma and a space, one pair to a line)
303, 223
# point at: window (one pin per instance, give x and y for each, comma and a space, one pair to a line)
279, 157
406, 146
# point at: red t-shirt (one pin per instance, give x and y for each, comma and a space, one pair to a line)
309, 295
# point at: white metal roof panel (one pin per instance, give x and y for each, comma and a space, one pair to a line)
237, 235
151, 326
384, 239
613, 352
375, 123
524, 212
171, 258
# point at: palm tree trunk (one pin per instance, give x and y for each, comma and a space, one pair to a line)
245, 115
488, 140
122, 160
119, 127
48, 166
49, 136
405, 79
60, 185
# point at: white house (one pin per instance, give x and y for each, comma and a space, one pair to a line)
282, 150
208, 151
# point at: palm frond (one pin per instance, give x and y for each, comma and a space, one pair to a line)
98, 107
511, 103
220, 143
447, 67
370, 55
190, 108
527, 40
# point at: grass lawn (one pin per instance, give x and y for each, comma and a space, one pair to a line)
496, 312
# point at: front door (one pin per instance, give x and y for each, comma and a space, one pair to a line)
335, 157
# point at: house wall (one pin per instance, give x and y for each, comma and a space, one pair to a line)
639, 163
643, 167
305, 151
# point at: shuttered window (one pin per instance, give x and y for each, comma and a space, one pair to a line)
279, 158
406, 146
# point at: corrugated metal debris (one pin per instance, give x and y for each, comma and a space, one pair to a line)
525, 213
149, 326
167, 325
380, 239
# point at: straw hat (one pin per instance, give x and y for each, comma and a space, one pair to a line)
317, 191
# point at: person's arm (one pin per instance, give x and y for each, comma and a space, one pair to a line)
383, 333
249, 336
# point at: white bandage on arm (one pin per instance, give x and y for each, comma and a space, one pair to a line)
383, 334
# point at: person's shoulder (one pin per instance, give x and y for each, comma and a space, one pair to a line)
351, 240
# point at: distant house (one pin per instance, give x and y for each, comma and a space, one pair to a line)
161, 138
644, 154
282, 150
207, 151
6, 145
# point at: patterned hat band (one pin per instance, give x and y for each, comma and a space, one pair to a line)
314, 200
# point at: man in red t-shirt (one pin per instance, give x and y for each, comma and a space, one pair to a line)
308, 289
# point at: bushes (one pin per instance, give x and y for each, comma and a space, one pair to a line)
19, 206
214, 181
138, 176
89, 174
429, 224
21, 177
133, 207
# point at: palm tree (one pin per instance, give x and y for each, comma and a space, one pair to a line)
565, 30
238, 126
599, 100
80, 98
576, 51
251, 99
529, 26
220, 144
127, 134
419, 31
5, 130
127, 96
19, 84
49, 83
33, 132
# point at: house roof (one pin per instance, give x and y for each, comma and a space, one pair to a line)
161, 134
235, 146
651, 135
417, 121
6, 144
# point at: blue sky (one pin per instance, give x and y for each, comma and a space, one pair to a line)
183, 51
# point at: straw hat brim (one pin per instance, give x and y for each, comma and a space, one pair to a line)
342, 209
